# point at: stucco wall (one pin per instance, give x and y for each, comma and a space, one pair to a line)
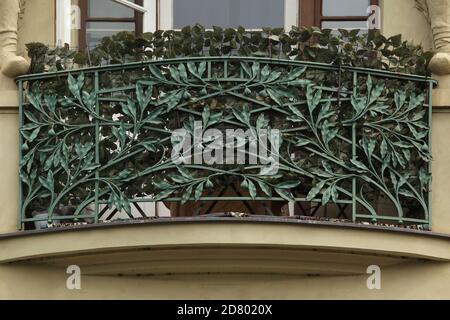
426, 281
37, 24
401, 17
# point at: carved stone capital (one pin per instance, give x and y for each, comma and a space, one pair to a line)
439, 16
11, 65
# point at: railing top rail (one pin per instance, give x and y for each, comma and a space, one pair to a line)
317, 65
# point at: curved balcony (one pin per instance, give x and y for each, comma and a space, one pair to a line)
209, 137
181, 246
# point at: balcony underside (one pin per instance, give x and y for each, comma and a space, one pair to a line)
225, 246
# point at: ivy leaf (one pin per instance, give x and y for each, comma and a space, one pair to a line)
73, 86
298, 116
193, 69
215, 118
393, 179
152, 117
172, 99
383, 149
184, 172
275, 96
143, 98
265, 188
34, 135
156, 72
315, 190
299, 83
313, 100
246, 68
406, 193
415, 101
50, 101
34, 101
199, 191
89, 99
179, 179
302, 142
91, 167
274, 75
286, 195
187, 194
252, 189
325, 112
326, 196
424, 178
368, 146
295, 73
206, 116
149, 146
47, 182
174, 73
328, 132
255, 69
334, 194
163, 195
201, 68
242, 115
369, 83
129, 108
265, 72
287, 185
399, 99
359, 165
182, 72
262, 122
162, 185
358, 104
376, 93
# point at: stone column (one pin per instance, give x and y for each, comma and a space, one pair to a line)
439, 13
11, 65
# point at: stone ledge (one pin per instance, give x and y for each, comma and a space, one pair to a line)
39, 247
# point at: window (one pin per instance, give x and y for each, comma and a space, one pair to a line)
251, 14
333, 14
103, 18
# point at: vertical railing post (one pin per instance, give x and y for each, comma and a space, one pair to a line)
225, 69
355, 85
97, 145
21, 217
430, 123
209, 70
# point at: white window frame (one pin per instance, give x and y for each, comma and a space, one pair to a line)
150, 24
63, 22
154, 9
291, 9
67, 19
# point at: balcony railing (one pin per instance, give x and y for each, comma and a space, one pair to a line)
345, 143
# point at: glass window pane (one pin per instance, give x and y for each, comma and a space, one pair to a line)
251, 14
109, 9
345, 7
95, 31
344, 24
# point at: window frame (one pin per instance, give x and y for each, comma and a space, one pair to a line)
138, 19
164, 14
310, 13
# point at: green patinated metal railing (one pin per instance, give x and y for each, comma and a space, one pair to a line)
97, 142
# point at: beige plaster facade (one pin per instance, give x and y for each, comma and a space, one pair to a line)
221, 259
